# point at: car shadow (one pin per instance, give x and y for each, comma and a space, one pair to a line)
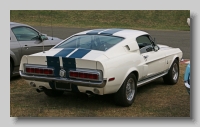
14, 78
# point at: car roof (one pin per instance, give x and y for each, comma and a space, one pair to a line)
126, 33
14, 24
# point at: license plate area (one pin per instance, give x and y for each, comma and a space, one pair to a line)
63, 86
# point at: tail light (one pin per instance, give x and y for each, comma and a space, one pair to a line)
38, 70
84, 75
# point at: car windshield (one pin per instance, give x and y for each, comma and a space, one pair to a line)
94, 42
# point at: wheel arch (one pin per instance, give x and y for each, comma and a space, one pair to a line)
133, 71
13, 58
176, 57
136, 74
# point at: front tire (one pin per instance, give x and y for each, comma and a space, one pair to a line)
173, 75
127, 92
53, 93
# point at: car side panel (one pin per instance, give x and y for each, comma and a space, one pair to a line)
119, 68
15, 49
155, 62
171, 55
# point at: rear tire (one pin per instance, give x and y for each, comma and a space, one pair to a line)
53, 93
173, 75
127, 92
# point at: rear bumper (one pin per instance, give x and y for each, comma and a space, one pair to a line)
99, 84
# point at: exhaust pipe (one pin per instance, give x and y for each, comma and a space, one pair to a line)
40, 89
90, 94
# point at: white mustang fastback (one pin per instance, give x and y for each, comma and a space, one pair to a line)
102, 61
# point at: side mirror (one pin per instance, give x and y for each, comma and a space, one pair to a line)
156, 48
43, 37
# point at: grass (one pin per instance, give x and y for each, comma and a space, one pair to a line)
153, 100
135, 19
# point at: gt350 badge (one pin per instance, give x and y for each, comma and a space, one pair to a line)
62, 73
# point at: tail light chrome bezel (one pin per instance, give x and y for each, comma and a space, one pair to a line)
87, 71
42, 67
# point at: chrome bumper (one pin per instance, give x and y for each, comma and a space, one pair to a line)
63, 80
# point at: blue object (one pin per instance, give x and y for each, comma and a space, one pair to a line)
187, 78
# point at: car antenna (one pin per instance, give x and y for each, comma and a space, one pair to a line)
40, 22
51, 25
41, 32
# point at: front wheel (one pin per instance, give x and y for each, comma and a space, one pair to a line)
173, 74
127, 92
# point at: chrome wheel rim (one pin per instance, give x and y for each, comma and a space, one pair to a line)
175, 72
130, 89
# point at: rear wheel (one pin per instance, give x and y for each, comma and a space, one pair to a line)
53, 93
127, 92
173, 74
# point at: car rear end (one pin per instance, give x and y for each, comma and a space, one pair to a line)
50, 71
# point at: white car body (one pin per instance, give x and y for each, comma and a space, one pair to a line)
113, 65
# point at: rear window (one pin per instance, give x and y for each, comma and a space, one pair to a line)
93, 42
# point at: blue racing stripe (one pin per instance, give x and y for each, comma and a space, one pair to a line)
69, 64
110, 31
64, 52
79, 53
96, 31
54, 62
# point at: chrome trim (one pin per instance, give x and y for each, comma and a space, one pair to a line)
39, 67
98, 84
140, 83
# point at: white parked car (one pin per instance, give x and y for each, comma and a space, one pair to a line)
102, 61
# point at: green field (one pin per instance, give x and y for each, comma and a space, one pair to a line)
134, 19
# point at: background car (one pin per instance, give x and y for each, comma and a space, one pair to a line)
102, 61
26, 40
187, 78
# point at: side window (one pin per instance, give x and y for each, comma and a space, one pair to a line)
144, 43
25, 34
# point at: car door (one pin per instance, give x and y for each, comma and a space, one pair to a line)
154, 60
29, 40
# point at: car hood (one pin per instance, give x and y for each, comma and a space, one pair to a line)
54, 38
164, 47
